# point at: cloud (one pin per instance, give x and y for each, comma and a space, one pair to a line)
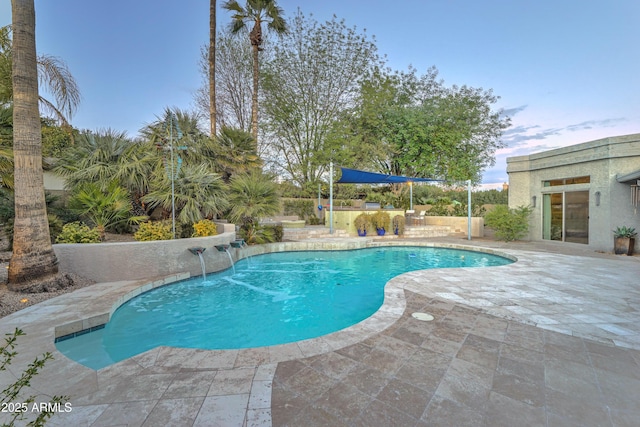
510, 112
521, 136
590, 124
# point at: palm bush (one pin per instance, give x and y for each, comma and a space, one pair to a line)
108, 156
198, 194
104, 209
252, 195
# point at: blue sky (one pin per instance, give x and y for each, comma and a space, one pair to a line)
567, 71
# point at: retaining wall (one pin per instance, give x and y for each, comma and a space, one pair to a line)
110, 262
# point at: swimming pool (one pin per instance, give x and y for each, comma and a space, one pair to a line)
270, 299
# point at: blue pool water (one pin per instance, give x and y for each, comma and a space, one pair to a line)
271, 299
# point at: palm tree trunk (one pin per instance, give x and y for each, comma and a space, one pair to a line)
212, 66
33, 256
254, 97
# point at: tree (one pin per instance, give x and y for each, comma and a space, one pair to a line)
53, 75
212, 68
253, 195
105, 208
198, 193
313, 77
427, 129
233, 82
106, 156
256, 12
33, 256
234, 153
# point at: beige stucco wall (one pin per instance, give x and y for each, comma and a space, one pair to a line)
109, 262
602, 160
343, 219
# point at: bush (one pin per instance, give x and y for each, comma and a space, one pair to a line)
398, 223
76, 232
204, 227
363, 223
303, 208
381, 220
254, 234
509, 224
12, 394
157, 230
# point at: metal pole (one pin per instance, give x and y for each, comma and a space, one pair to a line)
410, 195
319, 202
469, 209
173, 192
331, 198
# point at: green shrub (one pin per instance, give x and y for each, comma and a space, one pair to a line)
398, 223
155, 230
381, 220
303, 208
276, 231
254, 234
76, 232
509, 224
13, 393
204, 227
363, 223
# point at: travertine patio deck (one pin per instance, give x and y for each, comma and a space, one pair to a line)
552, 339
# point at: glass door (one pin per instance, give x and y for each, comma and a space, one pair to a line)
576, 212
565, 216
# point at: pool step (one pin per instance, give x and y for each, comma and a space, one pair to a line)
415, 231
311, 232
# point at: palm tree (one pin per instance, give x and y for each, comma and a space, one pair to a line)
253, 195
212, 67
107, 156
256, 12
105, 208
198, 194
235, 153
33, 256
52, 73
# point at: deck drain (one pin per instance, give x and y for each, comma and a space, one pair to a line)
425, 317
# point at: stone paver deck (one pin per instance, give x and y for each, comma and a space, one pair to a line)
552, 340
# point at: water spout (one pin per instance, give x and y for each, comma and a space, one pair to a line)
238, 243
198, 251
225, 248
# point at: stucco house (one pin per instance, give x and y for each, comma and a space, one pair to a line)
580, 193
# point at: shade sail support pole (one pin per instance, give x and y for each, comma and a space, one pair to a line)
468, 209
331, 198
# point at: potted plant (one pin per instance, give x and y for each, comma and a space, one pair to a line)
398, 224
624, 240
381, 221
362, 224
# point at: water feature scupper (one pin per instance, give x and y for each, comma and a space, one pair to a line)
198, 251
225, 248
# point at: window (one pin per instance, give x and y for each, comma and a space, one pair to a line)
567, 181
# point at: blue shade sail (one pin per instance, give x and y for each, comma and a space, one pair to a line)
354, 176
